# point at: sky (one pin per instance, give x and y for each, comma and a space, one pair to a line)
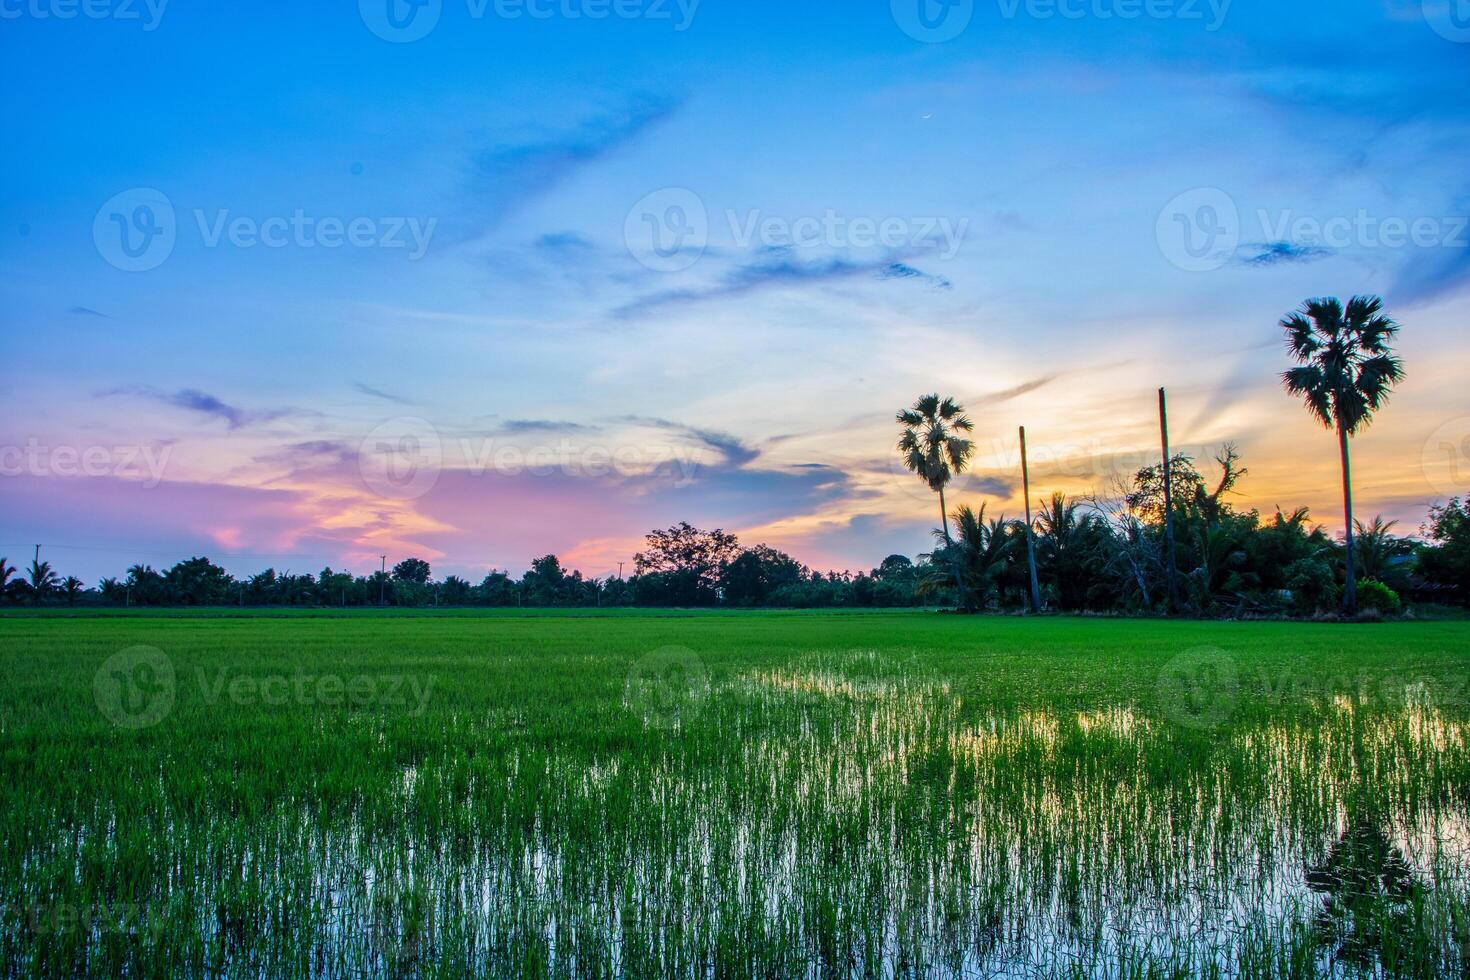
479, 280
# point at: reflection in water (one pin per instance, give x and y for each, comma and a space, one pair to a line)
838, 817
1367, 887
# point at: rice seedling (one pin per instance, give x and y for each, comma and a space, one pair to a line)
761, 794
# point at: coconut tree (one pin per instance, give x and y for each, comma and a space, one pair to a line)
1345, 372
71, 587
43, 579
6, 571
934, 450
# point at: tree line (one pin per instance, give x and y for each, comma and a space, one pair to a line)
1167, 540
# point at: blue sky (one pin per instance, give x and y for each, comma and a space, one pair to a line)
1048, 214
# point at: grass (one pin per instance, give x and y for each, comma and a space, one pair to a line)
731, 794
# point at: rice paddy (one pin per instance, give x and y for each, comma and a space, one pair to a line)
711, 794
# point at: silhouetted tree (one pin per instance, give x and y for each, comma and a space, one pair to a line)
1346, 372
935, 452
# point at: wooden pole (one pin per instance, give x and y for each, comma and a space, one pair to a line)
1030, 537
1171, 567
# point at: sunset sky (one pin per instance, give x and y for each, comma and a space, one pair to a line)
305, 284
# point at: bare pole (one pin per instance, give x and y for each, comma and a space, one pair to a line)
1171, 565
1030, 537
383, 583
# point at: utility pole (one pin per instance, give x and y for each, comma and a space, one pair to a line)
620, 571
1030, 536
383, 583
1171, 566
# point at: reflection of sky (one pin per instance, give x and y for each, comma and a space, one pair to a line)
1035, 160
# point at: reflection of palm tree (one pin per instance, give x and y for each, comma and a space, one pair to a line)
1347, 370
1367, 888
934, 450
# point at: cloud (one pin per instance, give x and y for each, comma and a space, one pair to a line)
991, 486
199, 402
505, 177
88, 311
519, 426
1024, 388
735, 452
777, 272
1277, 253
563, 242
1432, 273
379, 393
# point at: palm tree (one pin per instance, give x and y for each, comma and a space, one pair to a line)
43, 579
71, 587
6, 571
934, 450
1346, 372
980, 556
1380, 553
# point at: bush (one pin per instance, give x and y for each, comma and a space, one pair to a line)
1376, 597
1312, 586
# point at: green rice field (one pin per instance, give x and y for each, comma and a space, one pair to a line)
731, 795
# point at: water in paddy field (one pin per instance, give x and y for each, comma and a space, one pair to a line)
841, 816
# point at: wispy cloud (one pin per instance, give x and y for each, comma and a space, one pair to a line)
1260, 254
736, 452
521, 426
88, 311
779, 272
503, 178
367, 389
199, 402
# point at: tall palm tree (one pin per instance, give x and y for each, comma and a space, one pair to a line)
1346, 371
934, 450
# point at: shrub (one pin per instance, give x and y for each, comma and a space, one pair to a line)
1374, 596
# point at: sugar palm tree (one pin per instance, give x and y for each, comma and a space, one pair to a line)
1346, 371
934, 450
